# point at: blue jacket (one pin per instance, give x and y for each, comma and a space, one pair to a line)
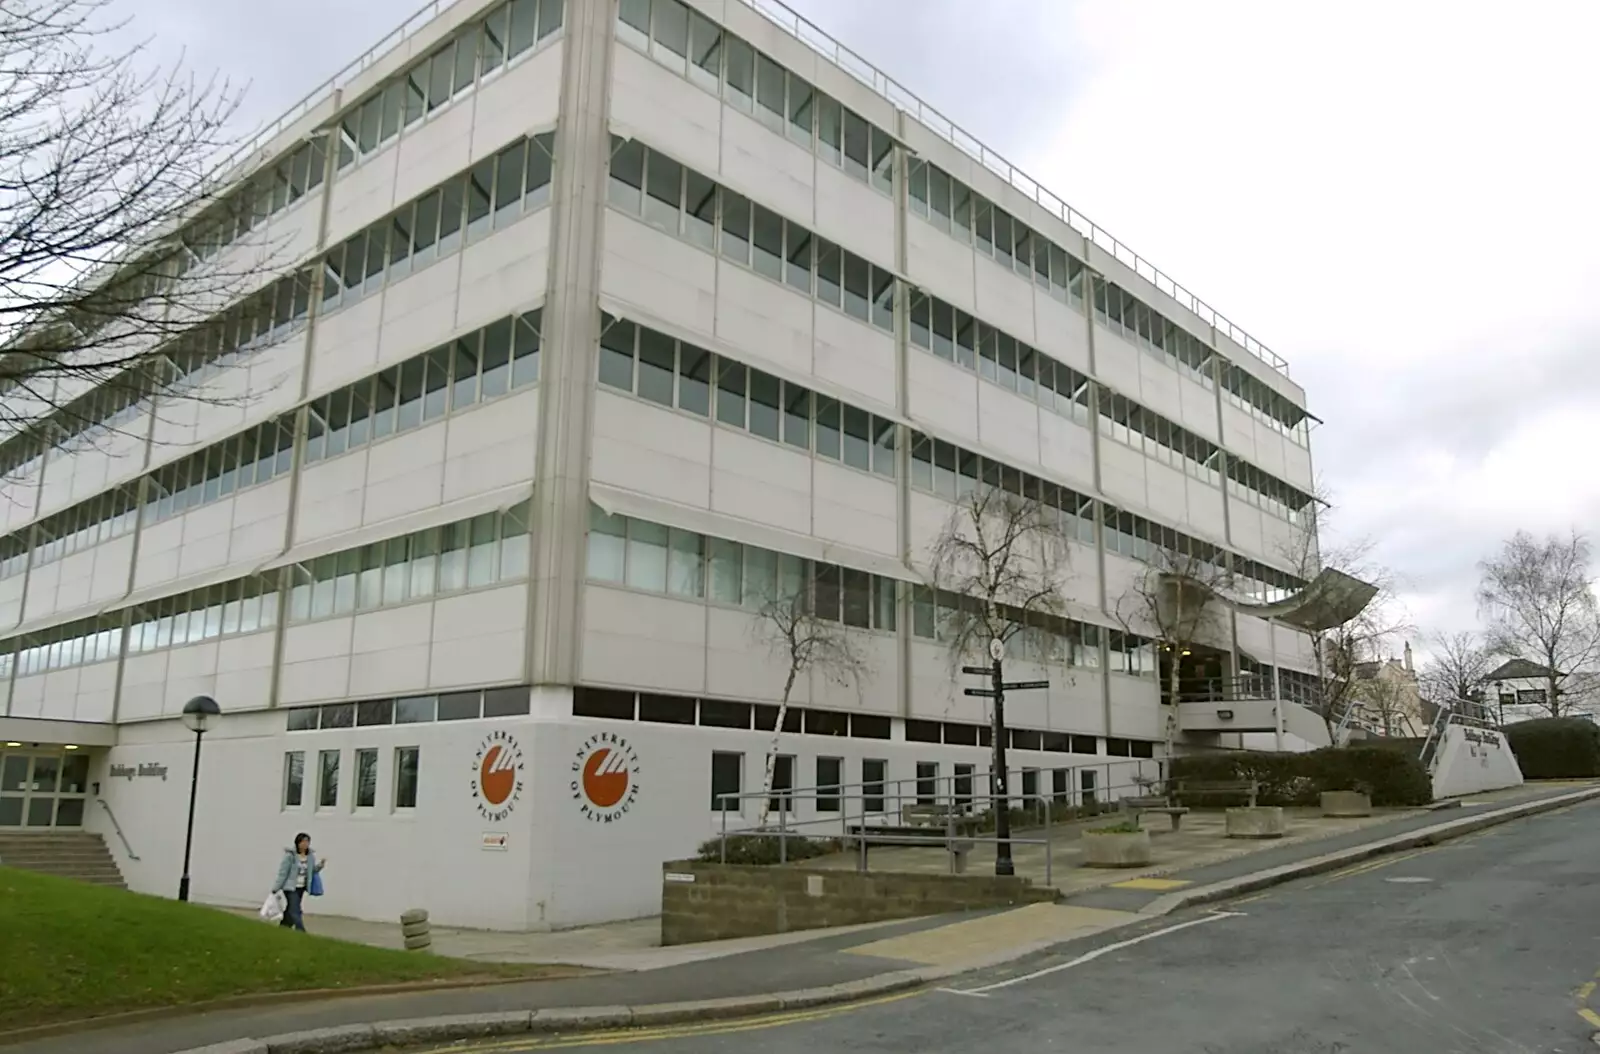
286, 870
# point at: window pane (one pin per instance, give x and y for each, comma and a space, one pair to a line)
730, 394
607, 545
647, 556
657, 358
626, 187
665, 192
735, 227
616, 355
686, 571
694, 379
764, 404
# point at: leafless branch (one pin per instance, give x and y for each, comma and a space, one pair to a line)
788, 625
1457, 669
1004, 557
104, 161
1538, 598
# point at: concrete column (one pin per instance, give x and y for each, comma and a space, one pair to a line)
571, 331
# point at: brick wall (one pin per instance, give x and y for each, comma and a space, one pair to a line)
727, 900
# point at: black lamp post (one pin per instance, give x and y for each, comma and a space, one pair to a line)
200, 715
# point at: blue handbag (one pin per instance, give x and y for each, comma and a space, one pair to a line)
316, 884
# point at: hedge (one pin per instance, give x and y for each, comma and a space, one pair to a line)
1391, 777
762, 850
1551, 748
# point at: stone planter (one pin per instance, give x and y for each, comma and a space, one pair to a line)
1261, 821
1346, 803
1116, 850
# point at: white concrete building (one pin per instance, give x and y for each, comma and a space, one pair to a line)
585, 319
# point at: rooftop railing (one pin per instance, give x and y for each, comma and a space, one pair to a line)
819, 41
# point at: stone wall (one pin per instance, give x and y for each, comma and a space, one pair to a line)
707, 902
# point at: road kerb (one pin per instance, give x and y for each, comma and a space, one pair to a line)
348, 1039
1340, 859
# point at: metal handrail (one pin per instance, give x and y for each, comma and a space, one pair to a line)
118, 828
853, 826
819, 41
1255, 687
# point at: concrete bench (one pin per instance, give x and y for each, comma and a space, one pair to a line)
1135, 806
1187, 790
913, 837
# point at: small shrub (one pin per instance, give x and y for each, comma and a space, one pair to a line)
1125, 827
1389, 777
762, 851
1551, 748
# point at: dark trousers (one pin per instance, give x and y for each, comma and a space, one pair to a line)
293, 917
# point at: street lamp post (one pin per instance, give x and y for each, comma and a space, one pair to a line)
998, 687
200, 715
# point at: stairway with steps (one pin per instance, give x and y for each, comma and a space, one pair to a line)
75, 855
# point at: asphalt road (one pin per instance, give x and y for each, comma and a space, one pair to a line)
1487, 944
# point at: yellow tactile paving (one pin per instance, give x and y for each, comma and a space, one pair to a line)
1156, 884
976, 939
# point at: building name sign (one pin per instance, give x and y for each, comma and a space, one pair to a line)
1488, 739
128, 772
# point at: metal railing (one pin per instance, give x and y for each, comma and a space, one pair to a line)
867, 813
1252, 687
115, 826
819, 41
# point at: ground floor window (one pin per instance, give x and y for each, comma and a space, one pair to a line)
294, 779
727, 777
407, 762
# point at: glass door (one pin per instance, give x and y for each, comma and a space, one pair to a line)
40, 791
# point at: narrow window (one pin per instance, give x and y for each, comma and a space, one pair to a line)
407, 761
294, 777
626, 189
727, 771
662, 204
328, 779
735, 227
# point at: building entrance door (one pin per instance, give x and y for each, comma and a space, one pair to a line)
43, 790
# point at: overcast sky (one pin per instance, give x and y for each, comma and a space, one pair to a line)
1398, 197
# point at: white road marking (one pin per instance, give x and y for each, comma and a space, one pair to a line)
1087, 957
1408, 879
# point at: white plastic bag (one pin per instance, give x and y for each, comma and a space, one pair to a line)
272, 910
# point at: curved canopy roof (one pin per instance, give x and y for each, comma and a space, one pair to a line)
1331, 599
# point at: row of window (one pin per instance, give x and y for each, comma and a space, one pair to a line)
951, 472
1157, 438
482, 365
1125, 314
1269, 493
494, 193
972, 219
1268, 406
956, 336
479, 366
256, 455
262, 319
412, 709
476, 52
617, 704
469, 554
1140, 539
405, 775
693, 46
1039, 637
655, 367
690, 206
659, 559
267, 193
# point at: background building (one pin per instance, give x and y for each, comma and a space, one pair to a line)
585, 325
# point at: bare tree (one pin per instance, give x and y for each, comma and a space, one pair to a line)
1457, 668
788, 624
1180, 601
103, 160
1003, 558
1538, 597
1342, 649
1389, 701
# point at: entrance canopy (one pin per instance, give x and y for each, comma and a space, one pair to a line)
38, 731
1332, 599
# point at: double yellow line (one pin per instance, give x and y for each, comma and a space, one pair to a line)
666, 1032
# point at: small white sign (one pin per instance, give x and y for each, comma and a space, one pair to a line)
679, 876
494, 841
997, 649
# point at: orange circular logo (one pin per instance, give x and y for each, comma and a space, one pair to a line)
497, 775
605, 777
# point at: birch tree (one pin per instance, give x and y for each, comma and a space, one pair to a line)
807, 644
1538, 597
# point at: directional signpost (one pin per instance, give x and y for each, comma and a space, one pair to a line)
997, 691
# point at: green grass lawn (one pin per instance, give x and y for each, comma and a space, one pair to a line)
70, 951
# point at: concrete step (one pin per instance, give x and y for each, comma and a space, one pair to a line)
78, 856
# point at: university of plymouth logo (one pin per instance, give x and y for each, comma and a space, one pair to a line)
497, 773
605, 777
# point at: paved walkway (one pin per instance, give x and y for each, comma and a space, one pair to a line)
752, 967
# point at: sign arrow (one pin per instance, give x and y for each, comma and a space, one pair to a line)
987, 693
981, 671
1018, 686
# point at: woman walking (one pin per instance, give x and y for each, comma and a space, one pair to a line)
299, 873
